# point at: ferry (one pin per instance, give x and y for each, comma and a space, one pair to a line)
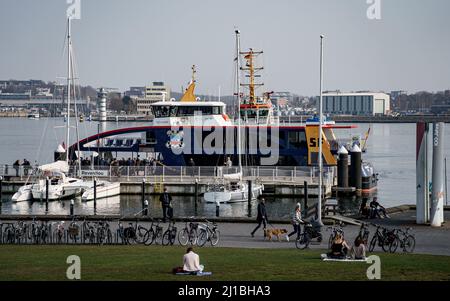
193, 132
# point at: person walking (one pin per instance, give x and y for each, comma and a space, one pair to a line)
166, 200
296, 221
261, 218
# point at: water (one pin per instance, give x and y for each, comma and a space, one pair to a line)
128, 205
391, 149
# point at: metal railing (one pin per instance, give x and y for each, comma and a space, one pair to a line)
184, 173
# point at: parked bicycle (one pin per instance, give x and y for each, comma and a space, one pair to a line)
378, 238
135, 233
188, 234
404, 240
207, 233
170, 235
104, 234
154, 233
59, 234
364, 234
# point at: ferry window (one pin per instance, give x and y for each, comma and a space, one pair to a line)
173, 111
161, 111
151, 137
263, 113
216, 110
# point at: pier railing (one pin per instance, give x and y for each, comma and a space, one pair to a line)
183, 173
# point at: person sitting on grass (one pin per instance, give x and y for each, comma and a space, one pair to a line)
339, 248
358, 250
191, 262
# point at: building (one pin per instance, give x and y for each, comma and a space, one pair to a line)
360, 103
138, 92
15, 96
395, 94
157, 92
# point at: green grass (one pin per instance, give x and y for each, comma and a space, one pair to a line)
156, 263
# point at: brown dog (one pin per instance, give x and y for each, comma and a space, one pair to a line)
274, 232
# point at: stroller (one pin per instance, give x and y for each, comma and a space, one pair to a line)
314, 230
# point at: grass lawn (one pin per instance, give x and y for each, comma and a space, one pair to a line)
156, 262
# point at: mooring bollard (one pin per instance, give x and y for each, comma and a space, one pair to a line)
72, 203
217, 208
143, 194
146, 207
46, 194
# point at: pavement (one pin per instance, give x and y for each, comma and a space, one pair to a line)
434, 241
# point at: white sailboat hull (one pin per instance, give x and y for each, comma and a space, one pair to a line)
234, 196
24, 194
104, 190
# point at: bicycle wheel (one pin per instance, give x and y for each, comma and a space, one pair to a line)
183, 237
409, 244
109, 238
215, 237
158, 236
394, 245
166, 238
173, 236
373, 243
193, 236
385, 244
148, 237
202, 238
302, 242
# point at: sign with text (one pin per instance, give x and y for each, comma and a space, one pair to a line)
95, 173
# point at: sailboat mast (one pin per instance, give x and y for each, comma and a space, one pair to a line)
319, 209
69, 71
238, 84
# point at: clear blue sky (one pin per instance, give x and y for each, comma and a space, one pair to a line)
130, 43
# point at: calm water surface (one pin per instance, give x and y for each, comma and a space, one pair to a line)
391, 149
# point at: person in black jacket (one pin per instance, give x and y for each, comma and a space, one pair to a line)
165, 200
261, 218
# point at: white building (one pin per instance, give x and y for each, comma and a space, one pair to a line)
157, 92
364, 103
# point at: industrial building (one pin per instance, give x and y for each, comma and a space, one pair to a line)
360, 103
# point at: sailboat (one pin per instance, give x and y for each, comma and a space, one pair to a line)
231, 188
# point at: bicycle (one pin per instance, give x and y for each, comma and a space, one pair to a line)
8, 235
208, 233
73, 232
59, 233
154, 233
364, 234
335, 231
378, 238
87, 232
104, 234
170, 235
407, 242
188, 234
135, 233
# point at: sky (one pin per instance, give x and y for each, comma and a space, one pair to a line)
133, 43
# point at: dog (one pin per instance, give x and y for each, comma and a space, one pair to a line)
269, 233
